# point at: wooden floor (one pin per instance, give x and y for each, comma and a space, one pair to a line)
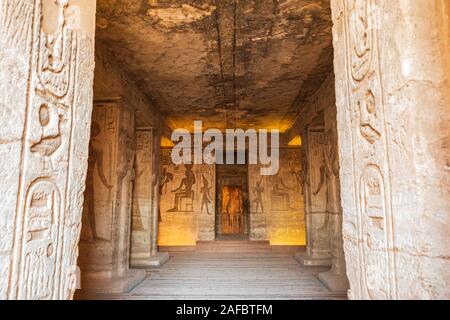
243, 274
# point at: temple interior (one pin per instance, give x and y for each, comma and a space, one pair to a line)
347, 99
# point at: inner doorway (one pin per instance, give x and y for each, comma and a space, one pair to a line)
232, 207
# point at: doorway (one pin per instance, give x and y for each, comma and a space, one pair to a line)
232, 203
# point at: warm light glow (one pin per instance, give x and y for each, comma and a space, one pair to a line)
178, 231
296, 142
166, 143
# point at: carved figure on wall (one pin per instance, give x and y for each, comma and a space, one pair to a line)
185, 190
258, 191
136, 221
166, 177
329, 174
281, 191
305, 169
95, 161
50, 143
296, 171
206, 195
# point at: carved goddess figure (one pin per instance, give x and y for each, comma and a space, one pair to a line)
95, 161
329, 175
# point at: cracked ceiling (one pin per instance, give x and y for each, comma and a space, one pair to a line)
232, 64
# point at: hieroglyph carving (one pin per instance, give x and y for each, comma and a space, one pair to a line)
369, 142
48, 216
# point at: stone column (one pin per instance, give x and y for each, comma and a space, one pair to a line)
105, 238
144, 236
335, 279
317, 219
46, 75
392, 87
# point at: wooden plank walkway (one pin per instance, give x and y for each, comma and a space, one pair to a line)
244, 275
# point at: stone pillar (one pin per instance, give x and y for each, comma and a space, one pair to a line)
145, 215
105, 238
46, 75
392, 87
317, 218
335, 279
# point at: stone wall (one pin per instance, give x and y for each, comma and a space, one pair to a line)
392, 85
143, 198
187, 205
46, 69
118, 216
277, 202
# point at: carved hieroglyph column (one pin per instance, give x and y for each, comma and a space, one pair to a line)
392, 87
317, 218
105, 238
46, 72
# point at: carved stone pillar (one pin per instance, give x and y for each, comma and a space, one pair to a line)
335, 279
46, 71
317, 218
105, 238
392, 87
145, 216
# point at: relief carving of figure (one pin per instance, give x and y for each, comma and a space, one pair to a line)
136, 221
329, 175
166, 177
206, 196
296, 171
50, 142
95, 162
185, 190
258, 191
281, 190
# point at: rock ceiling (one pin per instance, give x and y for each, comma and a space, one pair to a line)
230, 63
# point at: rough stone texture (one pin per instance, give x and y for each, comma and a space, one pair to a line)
105, 240
317, 123
335, 279
248, 63
46, 69
277, 202
392, 85
143, 198
187, 206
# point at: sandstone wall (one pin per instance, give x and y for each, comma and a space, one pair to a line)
187, 205
392, 85
277, 202
46, 69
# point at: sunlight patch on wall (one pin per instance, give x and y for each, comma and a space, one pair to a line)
296, 142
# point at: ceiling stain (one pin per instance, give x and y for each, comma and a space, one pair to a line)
230, 63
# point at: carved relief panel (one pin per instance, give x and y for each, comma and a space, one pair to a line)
280, 200
100, 180
317, 216
369, 148
187, 194
142, 194
57, 107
